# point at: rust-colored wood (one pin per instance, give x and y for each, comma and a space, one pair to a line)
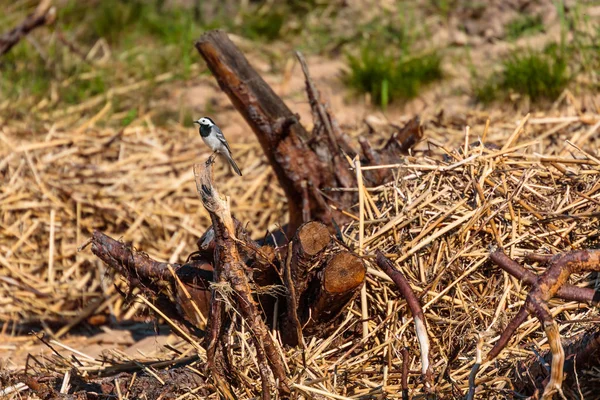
310, 241
548, 285
155, 279
304, 164
331, 290
282, 138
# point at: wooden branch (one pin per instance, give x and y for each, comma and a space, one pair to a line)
406, 137
283, 139
404, 379
327, 137
230, 270
305, 165
44, 14
566, 292
156, 280
409, 295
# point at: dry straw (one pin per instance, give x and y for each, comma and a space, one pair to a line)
437, 218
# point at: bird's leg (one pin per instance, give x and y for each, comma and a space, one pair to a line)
211, 159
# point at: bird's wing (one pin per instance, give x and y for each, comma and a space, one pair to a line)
221, 137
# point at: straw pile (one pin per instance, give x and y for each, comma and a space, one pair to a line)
135, 184
526, 190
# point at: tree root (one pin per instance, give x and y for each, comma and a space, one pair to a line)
549, 284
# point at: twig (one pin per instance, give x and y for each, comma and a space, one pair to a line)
44, 14
415, 307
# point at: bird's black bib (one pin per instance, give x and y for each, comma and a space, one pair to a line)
205, 130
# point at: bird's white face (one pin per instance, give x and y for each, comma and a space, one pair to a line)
205, 121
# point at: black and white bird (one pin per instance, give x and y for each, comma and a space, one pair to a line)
213, 137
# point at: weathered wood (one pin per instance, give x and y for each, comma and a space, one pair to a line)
545, 287
282, 138
310, 240
304, 164
156, 280
230, 270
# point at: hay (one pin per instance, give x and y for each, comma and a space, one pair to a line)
437, 219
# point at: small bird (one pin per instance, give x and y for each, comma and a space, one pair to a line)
213, 137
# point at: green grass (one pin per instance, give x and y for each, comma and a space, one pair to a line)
543, 75
537, 75
144, 39
390, 77
524, 25
443, 7
267, 24
385, 63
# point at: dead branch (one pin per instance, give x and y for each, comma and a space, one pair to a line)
327, 138
230, 270
404, 379
281, 137
415, 307
44, 14
566, 292
156, 280
405, 138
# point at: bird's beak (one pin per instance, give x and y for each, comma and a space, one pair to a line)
196, 122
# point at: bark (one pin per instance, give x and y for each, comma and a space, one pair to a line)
155, 279
234, 284
305, 164
308, 243
282, 138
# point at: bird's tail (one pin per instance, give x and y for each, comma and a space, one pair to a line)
233, 164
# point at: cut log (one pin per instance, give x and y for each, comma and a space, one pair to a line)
331, 290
